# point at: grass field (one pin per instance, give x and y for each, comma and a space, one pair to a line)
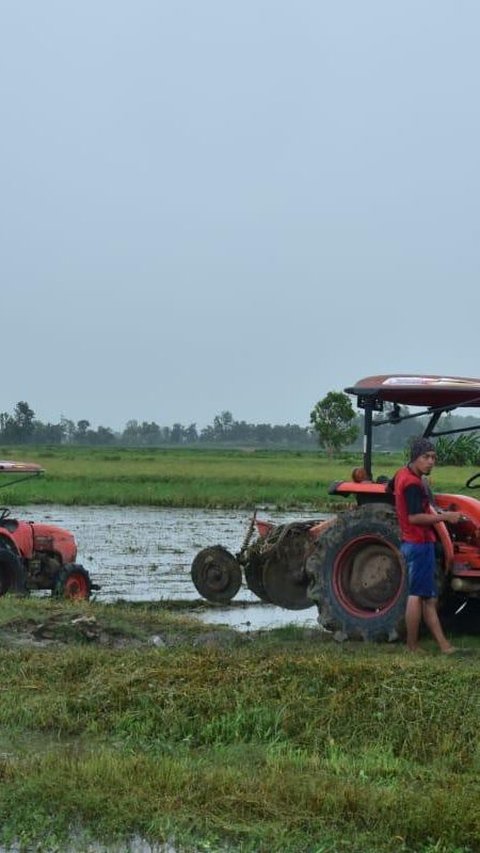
121, 722
281, 743
195, 478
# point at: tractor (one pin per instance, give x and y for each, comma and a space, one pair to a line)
36, 556
350, 565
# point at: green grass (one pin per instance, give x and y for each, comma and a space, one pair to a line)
282, 742
196, 478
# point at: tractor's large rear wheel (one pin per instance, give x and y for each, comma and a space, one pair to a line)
12, 573
358, 577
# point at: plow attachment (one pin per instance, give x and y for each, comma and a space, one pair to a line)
273, 565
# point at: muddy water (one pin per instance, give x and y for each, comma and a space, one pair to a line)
145, 554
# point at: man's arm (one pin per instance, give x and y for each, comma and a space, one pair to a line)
425, 519
414, 500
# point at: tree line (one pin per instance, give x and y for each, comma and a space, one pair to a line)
334, 426
22, 427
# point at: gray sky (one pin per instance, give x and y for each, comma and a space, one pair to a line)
211, 205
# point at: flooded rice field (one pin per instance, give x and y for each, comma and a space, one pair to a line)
145, 554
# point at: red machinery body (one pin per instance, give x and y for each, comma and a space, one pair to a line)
35, 555
461, 545
29, 538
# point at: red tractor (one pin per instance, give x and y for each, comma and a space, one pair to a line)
37, 556
351, 566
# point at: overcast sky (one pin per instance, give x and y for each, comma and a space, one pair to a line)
213, 205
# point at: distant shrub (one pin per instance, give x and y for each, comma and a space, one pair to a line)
462, 450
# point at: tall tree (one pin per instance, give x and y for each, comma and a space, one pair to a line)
23, 418
222, 425
332, 419
68, 430
83, 430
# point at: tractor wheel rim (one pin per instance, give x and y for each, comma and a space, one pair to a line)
76, 587
368, 576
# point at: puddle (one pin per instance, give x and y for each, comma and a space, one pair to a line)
145, 554
259, 616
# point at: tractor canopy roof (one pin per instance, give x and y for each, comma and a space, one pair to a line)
10, 467
438, 392
437, 395
26, 469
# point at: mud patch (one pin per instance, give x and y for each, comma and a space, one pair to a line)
123, 629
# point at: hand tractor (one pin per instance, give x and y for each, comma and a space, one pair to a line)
37, 556
350, 565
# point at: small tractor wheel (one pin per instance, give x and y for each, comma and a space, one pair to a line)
358, 577
254, 578
282, 561
285, 582
216, 574
12, 573
73, 582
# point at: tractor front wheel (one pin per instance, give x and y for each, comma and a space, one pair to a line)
73, 582
358, 576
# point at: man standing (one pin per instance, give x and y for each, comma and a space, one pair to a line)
417, 520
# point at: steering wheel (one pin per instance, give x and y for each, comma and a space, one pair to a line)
4, 513
471, 480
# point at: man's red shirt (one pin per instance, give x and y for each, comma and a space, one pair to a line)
411, 497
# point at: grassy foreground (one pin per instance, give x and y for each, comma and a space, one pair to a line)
123, 721
195, 478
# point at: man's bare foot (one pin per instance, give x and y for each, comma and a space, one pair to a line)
451, 650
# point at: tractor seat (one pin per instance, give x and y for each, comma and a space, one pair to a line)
9, 524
